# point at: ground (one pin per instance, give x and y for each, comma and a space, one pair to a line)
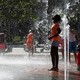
18, 65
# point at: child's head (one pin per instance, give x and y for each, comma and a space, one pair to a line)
30, 31
72, 30
56, 18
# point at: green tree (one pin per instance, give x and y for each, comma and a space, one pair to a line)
74, 15
14, 13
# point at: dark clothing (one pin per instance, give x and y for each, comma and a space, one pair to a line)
56, 40
54, 56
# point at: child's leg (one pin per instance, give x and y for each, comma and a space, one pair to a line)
75, 56
69, 57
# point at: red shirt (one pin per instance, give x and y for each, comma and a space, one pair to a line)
29, 38
2, 46
54, 30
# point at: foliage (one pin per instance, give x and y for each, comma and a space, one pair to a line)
17, 9
16, 38
74, 15
17, 16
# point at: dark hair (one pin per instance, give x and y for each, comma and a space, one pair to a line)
56, 18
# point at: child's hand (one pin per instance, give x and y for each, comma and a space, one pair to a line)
49, 37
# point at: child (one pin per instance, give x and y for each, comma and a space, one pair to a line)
78, 58
72, 44
29, 41
56, 39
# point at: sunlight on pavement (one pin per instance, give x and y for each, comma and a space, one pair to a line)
6, 75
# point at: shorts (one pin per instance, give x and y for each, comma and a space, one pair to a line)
55, 43
73, 46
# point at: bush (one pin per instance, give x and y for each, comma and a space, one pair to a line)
16, 39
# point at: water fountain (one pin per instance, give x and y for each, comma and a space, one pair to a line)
66, 37
66, 47
41, 25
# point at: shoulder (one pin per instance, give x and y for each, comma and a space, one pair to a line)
55, 26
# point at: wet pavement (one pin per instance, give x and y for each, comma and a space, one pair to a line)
18, 65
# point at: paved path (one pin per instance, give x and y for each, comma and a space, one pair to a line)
18, 65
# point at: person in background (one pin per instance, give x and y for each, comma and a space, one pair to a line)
30, 41
72, 44
56, 40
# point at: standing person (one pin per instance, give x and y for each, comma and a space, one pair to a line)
29, 41
56, 40
72, 44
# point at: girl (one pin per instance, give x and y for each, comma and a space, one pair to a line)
56, 40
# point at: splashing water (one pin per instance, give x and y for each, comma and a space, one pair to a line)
66, 45
6, 75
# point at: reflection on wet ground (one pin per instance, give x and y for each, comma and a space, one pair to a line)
18, 65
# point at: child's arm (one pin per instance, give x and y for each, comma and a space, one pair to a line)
59, 31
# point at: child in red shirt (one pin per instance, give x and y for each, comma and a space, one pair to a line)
29, 41
56, 40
